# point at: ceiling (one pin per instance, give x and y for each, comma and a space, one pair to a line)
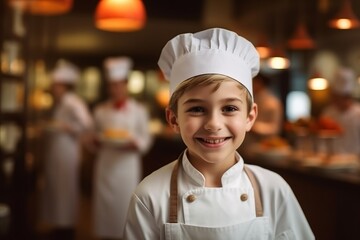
74, 35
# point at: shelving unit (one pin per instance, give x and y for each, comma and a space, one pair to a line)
13, 111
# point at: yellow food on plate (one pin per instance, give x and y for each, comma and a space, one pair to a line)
116, 134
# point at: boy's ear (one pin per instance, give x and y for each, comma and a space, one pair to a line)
252, 117
172, 120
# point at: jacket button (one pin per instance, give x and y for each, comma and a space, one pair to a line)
244, 197
191, 198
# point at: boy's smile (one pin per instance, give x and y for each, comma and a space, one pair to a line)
213, 123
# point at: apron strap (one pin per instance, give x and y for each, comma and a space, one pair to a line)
174, 192
256, 187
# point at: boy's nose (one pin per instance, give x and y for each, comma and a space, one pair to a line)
213, 123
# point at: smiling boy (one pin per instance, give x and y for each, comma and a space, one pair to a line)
209, 192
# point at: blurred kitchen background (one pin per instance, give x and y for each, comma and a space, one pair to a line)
33, 40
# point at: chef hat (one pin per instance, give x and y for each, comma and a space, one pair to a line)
117, 68
212, 51
65, 72
344, 81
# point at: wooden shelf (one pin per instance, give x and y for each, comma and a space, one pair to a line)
11, 77
17, 117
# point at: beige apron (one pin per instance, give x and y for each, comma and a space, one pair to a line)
257, 228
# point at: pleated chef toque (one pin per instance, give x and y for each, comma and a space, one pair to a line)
212, 51
65, 72
344, 81
117, 68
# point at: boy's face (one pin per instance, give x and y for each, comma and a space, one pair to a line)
213, 124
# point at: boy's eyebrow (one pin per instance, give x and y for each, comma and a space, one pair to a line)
193, 100
199, 100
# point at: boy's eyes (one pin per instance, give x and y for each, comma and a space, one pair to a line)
226, 109
196, 109
230, 109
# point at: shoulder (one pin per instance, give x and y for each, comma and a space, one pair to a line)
71, 97
155, 188
269, 181
157, 181
135, 104
100, 107
71, 100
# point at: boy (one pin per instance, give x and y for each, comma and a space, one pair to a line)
209, 193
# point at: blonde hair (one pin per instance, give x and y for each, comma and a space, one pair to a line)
204, 80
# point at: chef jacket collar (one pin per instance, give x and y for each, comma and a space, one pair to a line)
227, 179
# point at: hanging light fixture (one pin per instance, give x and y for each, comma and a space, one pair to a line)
301, 39
120, 15
346, 18
316, 82
263, 47
278, 59
43, 7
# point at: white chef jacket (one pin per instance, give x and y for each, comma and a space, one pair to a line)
149, 207
349, 120
118, 172
62, 155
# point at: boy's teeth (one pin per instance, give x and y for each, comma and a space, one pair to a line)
213, 141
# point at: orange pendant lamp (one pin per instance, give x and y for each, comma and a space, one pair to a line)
301, 38
44, 7
346, 18
120, 15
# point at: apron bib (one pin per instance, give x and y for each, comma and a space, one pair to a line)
257, 228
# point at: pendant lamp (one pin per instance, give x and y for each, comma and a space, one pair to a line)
263, 47
346, 18
316, 82
43, 7
301, 39
278, 59
120, 15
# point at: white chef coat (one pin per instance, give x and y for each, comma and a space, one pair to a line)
149, 208
117, 172
349, 121
62, 155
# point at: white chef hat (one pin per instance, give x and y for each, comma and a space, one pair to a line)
117, 68
65, 72
212, 51
344, 81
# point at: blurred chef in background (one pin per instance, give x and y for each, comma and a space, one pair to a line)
269, 121
122, 126
61, 135
345, 111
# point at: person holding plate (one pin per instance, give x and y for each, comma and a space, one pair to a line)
122, 130
70, 118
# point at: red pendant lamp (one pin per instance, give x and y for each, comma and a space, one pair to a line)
43, 7
120, 15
